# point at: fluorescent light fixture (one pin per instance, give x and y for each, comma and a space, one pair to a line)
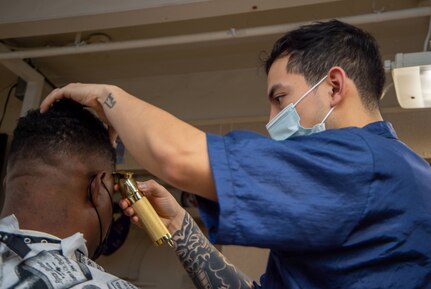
411, 73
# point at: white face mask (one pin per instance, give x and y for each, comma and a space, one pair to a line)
287, 122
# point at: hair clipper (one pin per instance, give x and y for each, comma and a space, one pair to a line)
155, 228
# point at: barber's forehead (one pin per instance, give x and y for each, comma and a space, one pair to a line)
279, 70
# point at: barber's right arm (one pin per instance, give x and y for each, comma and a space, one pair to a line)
206, 266
169, 148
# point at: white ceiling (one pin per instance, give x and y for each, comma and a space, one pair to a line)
201, 78
23, 18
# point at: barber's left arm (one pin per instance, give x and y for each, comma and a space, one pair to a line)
206, 266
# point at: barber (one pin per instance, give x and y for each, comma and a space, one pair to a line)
337, 197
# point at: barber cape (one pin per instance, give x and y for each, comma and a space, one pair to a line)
31, 259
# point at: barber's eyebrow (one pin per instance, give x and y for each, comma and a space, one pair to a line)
276, 87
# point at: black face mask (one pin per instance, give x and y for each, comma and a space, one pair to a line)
102, 241
118, 232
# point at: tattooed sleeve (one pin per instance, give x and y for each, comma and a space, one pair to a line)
206, 266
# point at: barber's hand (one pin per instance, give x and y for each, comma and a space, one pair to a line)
90, 95
168, 209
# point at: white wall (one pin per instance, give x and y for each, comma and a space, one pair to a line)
413, 128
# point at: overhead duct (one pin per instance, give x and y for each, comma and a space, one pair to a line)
210, 36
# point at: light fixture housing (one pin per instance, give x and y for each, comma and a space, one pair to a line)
411, 73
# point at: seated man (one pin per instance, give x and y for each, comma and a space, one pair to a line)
58, 207
58, 201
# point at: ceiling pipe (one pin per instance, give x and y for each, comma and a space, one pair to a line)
210, 36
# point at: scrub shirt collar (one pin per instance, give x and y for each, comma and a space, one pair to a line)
382, 128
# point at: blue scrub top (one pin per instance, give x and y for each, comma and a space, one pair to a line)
343, 208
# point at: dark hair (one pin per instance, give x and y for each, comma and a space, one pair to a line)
66, 129
313, 49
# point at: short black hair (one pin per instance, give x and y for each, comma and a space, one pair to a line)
66, 129
314, 48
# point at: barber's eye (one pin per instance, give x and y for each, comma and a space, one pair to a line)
279, 98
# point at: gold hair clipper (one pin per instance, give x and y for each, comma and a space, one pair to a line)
155, 228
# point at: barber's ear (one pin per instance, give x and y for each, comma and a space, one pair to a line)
337, 78
96, 185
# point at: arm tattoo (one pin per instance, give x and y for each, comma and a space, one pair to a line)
206, 266
110, 101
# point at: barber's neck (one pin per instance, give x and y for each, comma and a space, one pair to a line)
353, 113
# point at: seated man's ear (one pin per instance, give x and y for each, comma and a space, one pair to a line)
95, 187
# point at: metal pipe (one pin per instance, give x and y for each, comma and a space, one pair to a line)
210, 36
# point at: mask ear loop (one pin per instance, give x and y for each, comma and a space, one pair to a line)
103, 241
90, 195
328, 114
110, 197
310, 90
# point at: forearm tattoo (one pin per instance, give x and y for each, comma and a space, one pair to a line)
206, 266
110, 100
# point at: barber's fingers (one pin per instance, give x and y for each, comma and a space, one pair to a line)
53, 96
161, 199
153, 189
85, 94
125, 205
